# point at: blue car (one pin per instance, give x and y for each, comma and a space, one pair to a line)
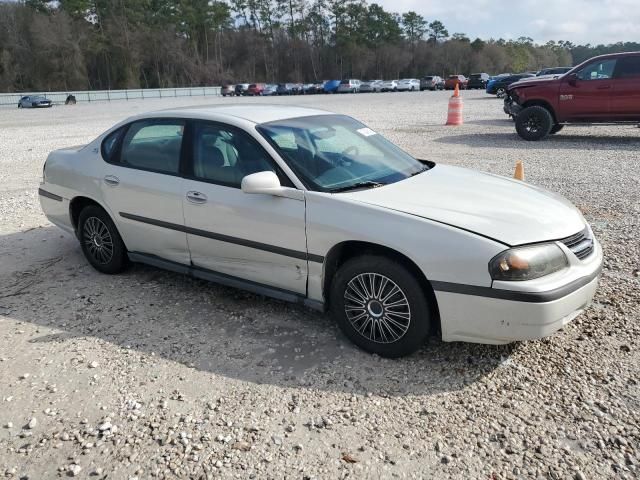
498, 85
331, 86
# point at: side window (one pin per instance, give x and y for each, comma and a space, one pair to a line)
628, 67
601, 70
153, 145
226, 155
109, 145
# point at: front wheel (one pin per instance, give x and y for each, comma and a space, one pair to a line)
380, 306
500, 92
534, 123
100, 241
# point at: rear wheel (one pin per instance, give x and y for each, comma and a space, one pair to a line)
100, 241
534, 123
380, 306
500, 92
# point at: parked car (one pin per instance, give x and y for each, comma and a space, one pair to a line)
371, 86
553, 71
350, 85
498, 86
408, 85
286, 89
270, 89
432, 82
255, 89
390, 85
331, 86
604, 89
468, 264
34, 101
308, 89
453, 80
241, 89
478, 81
228, 90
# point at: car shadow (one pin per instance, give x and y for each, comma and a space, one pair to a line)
46, 281
553, 142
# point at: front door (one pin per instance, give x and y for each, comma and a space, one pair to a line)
252, 237
142, 187
587, 96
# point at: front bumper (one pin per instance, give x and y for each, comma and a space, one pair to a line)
510, 106
473, 317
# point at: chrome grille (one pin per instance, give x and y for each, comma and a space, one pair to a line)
581, 243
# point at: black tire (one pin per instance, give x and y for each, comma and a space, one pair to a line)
534, 123
500, 93
407, 327
97, 232
555, 129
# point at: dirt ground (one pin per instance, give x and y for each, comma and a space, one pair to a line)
151, 374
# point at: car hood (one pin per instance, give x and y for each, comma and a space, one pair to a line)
509, 211
530, 82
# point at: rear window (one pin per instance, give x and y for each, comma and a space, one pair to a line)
345, 82
453, 77
628, 67
253, 85
475, 75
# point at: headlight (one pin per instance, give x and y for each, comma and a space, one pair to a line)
527, 263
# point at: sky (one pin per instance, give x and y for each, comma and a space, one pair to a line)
578, 21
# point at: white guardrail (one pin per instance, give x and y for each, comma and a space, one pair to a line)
11, 99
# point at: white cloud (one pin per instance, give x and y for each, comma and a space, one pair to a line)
579, 21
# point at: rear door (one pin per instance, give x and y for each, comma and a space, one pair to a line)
142, 187
252, 237
625, 98
588, 95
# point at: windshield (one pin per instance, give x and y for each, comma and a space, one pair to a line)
335, 153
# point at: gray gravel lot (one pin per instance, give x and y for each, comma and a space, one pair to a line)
151, 374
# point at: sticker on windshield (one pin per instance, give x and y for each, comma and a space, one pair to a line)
366, 132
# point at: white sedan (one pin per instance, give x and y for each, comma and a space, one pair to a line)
313, 207
408, 85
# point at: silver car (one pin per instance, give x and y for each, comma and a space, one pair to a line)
371, 86
34, 101
350, 85
317, 208
390, 86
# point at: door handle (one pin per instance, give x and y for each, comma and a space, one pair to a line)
196, 197
111, 180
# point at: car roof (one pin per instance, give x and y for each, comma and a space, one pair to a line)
249, 112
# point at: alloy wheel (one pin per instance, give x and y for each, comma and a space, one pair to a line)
377, 308
98, 240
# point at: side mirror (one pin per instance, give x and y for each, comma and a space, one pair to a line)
572, 79
262, 182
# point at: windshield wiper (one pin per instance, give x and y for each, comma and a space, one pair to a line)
419, 171
355, 186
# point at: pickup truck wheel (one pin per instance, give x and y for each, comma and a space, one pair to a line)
534, 123
555, 129
380, 306
500, 92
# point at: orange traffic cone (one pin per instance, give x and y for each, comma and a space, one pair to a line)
519, 173
454, 116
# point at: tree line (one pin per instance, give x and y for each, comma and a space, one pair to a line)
110, 44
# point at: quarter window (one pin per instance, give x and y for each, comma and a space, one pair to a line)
109, 145
601, 70
225, 156
153, 145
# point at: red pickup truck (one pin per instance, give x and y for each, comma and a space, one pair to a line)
602, 90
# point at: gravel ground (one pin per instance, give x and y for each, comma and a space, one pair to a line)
151, 374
